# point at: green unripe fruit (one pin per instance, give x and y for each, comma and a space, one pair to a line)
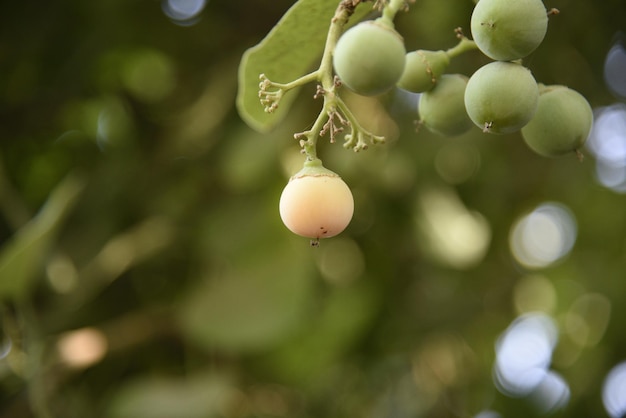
442, 109
316, 203
423, 69
501, 97
561, 124
508, 30
369, 58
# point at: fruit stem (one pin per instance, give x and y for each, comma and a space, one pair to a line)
463, 46
553, 12
270, 92
339, 20
314, 168
359, 138
325, 121
324, 75
579, 155
391, 9
309, 145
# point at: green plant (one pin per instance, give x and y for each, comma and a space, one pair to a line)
561, 123
442, 109
423, 69
145, 271
507, 30
501, 97
370, 59
335, 114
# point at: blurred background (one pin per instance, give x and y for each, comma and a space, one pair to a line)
144, 270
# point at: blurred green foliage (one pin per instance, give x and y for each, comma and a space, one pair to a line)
144, 270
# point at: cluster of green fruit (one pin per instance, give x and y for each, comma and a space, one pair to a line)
501, 97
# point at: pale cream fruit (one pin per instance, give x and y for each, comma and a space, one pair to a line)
316, 203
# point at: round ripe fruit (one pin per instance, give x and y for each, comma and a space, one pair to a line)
508, 30
501, 97
442, 109
369, 58
316, 203
422, 70
561, 124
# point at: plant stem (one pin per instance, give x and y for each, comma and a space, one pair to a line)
310, 145
325, 71
325, 122
325, 76
341, 105
391, 9
307, 78
463, 46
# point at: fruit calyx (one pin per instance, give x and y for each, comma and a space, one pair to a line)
314, 168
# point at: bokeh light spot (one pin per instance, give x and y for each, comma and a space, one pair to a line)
543, 236
614, 391
83, 347
456, 163
62, 274
488, 414
607, 142
615, 68
109, 123
524, 353
149, 75
552, 393
6, 344
450, 232
341, 261
183, 12
587, 319
443, 360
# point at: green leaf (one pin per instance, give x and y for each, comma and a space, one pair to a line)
22, 256
287, 52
